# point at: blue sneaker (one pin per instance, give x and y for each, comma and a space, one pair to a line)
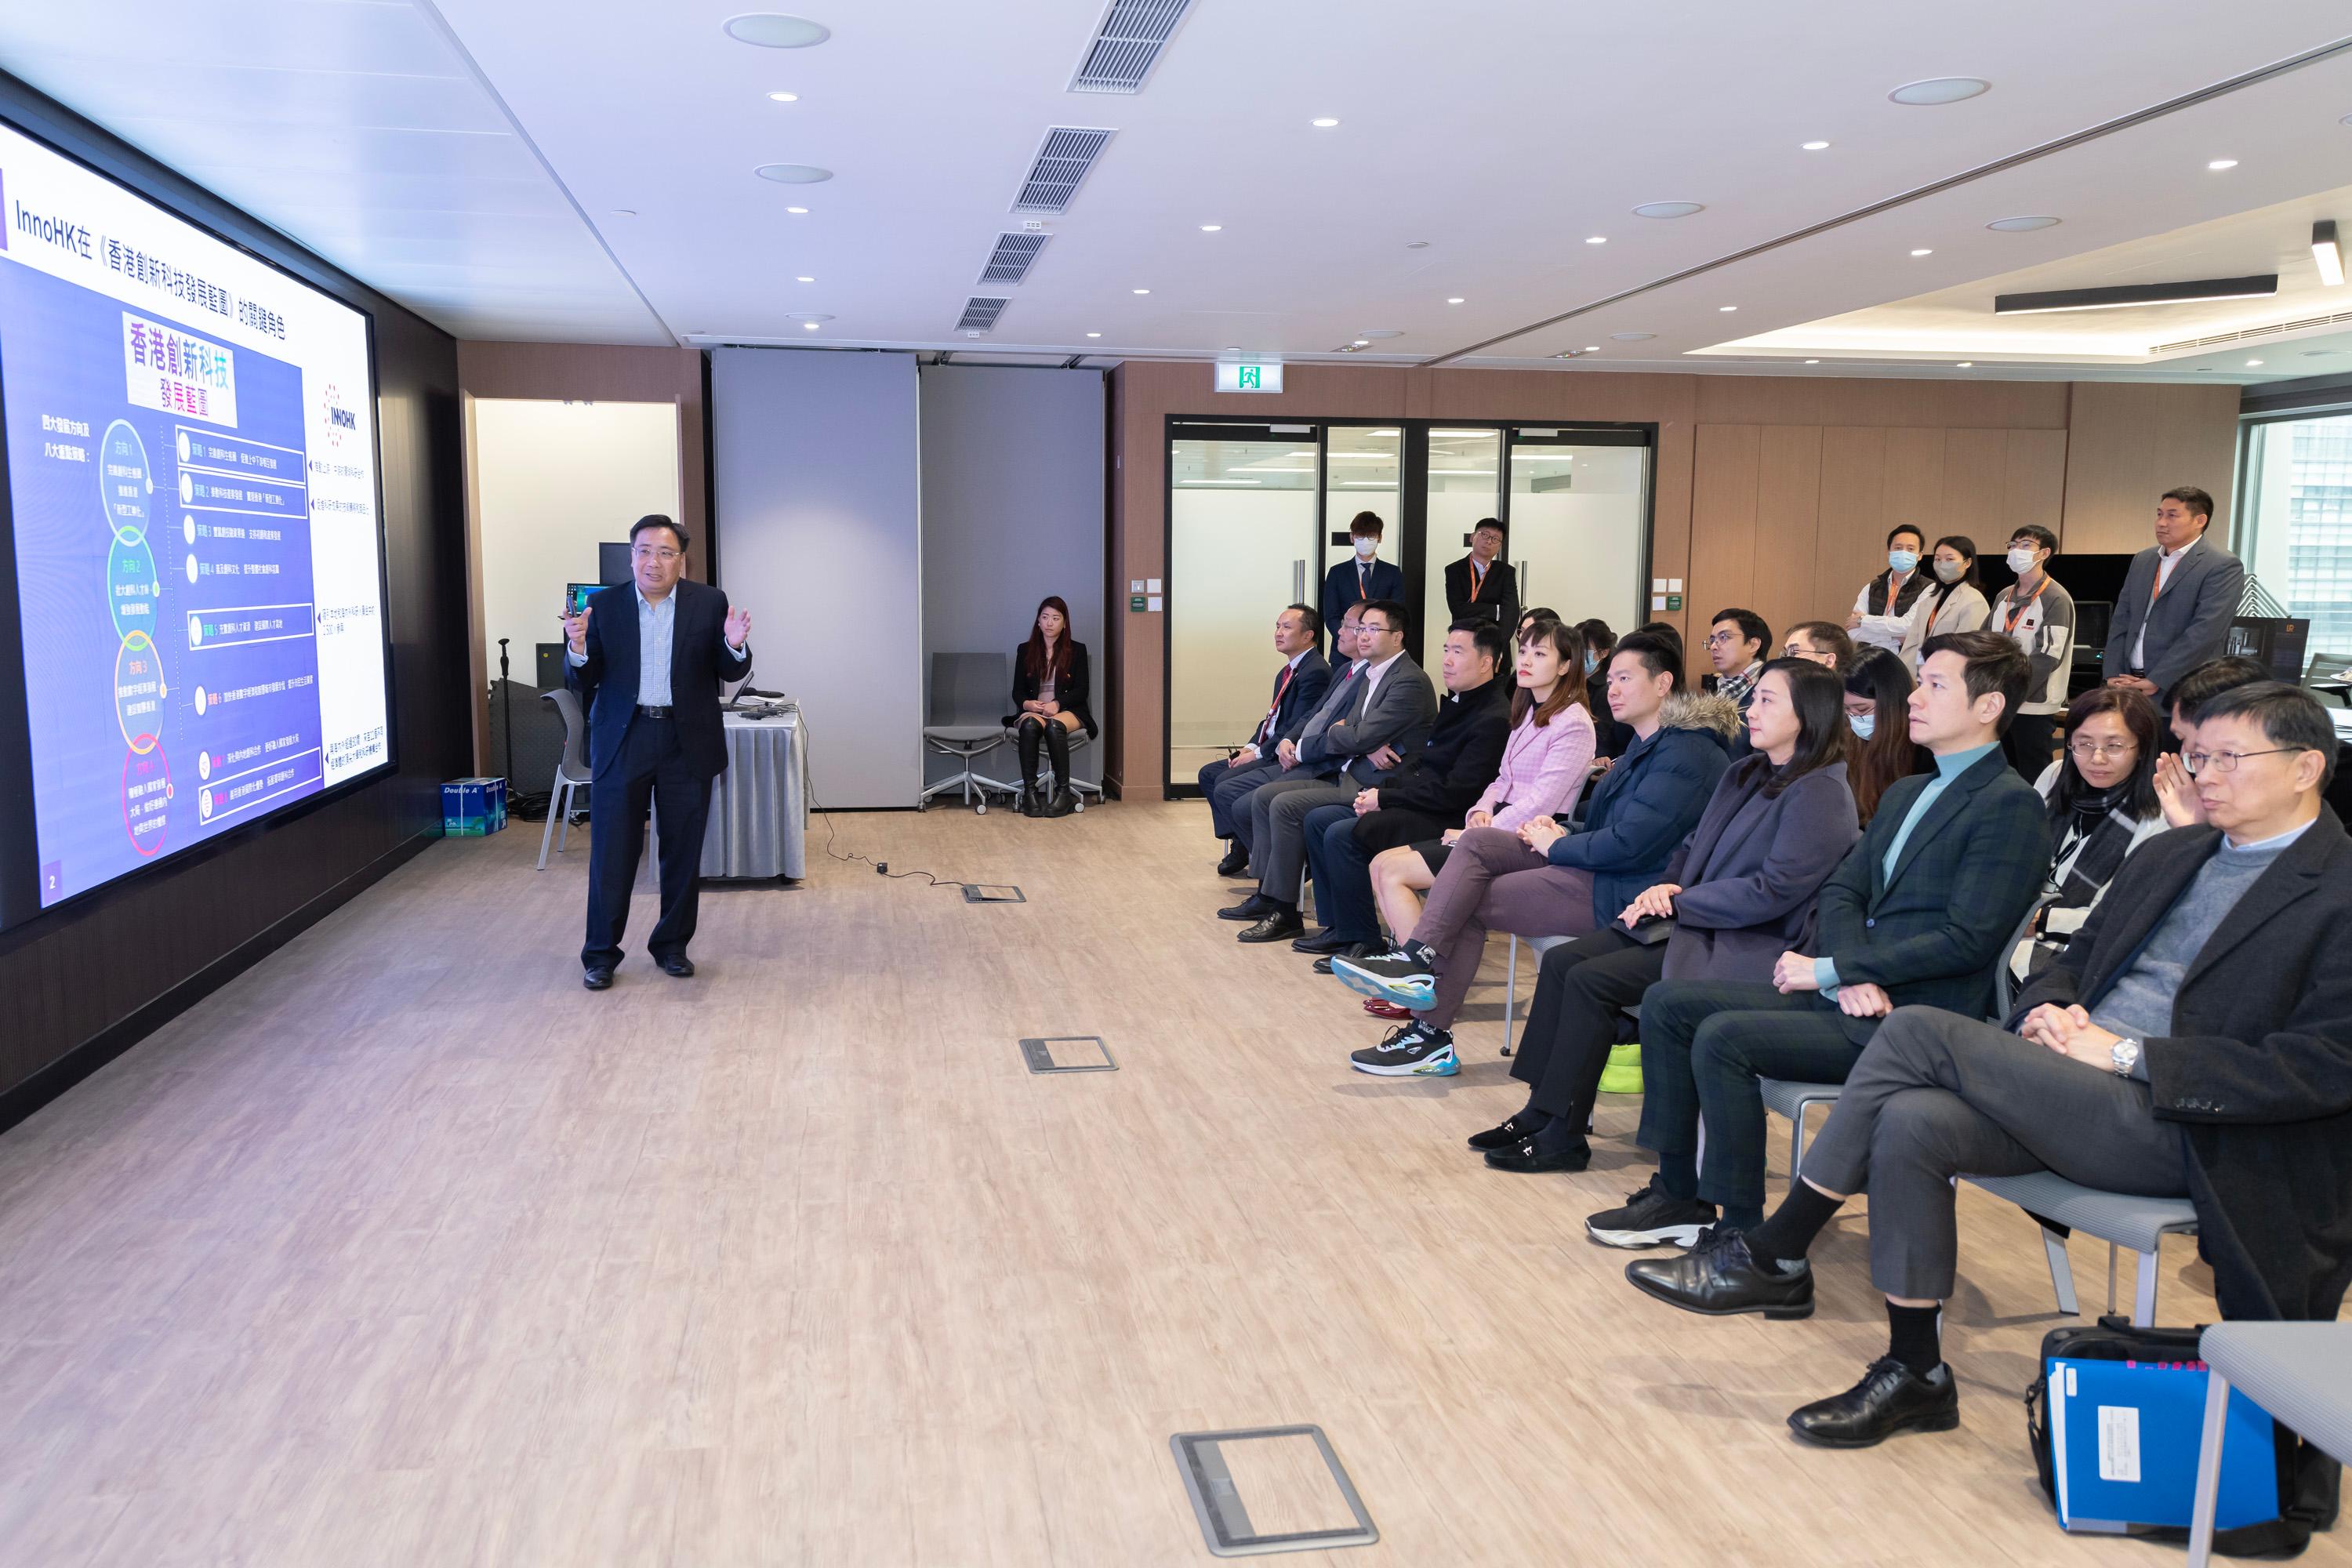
1414, 1049
1401, 977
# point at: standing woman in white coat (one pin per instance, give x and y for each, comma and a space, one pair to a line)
1955, 602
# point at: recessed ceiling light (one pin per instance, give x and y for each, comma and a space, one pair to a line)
1363, 342
625, 212
793, 173
2021, 224
1211, 227
2252, 363
1592, 348
797, 211
2219, 163
1966, 364
1323, 124
1726, 307
1094, 334
1456, 299
1939, 89
1815, 146
1923, 252
1632, 337
1812, 361
2327, 254
773, 30
803, 280
1598, 239
783, 98
809, 325
1143, 291
1668, 209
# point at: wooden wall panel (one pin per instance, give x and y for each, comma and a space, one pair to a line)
1850, 541
1723, 478
1933, 404
1915, 482
2035, 487
1788, 510
2129, 443
1976, 463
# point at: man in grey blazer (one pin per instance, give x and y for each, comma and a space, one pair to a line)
2178, 600
1365, 728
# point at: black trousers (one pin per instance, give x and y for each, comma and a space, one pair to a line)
1573, 1022
2030, 742
651, 767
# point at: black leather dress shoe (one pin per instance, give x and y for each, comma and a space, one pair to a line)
1322, 941
1527, 1161
1353, 950
1509, 1135
1256, 907
597, 976
1890, 1398
1236, 862
1275, 927
1720, 1279
677, 966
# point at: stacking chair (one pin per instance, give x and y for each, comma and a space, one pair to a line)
969, 695
2119, 1219
570, 771
2300, 1373
1539, 946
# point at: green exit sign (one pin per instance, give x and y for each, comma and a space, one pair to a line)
1249, 376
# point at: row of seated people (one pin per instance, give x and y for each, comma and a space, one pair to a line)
1790, 894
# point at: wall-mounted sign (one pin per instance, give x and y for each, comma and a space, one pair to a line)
1249, 376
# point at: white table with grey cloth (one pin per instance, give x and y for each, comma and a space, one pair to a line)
758, 806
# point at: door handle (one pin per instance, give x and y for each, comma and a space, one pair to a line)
1298, 581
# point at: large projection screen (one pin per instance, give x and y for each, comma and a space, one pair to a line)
192, 514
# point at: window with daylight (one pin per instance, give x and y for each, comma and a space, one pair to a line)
2298, 537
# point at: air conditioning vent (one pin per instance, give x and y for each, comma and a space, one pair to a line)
2270, 331
1014, 256
1063, 160
1127, 45
979, 313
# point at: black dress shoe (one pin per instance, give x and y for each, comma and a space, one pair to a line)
1890, 1398
1276, 925
597, 976
1509, 1135
1353, 950
1527, 1160
1720, 1279
1236, 862
1256, 907
1322, 941
678, 965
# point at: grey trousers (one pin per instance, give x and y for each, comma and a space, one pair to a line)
1278, 838
1935, 1095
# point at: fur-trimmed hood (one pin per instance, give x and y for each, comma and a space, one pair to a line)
1702, 711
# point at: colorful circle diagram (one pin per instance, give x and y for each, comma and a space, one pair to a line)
139, 691
146, 797
132, 586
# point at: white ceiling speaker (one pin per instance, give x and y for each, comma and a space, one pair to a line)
1383, 332
774, 31
1939, 89
2021, 224
806, 318
1632, 337
1668, 209
793, 173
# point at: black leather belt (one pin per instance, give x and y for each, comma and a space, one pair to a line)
645, 713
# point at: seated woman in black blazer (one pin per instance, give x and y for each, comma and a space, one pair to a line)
1049, 694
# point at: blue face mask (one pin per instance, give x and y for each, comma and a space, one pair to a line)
1592, 662
1863, 724
1903, 560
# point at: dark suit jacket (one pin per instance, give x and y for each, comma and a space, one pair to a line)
700, 663
1751, 868
1296, 704
1339, 589
2189, 625
1500, 591
2258, 1067
1932, 934
1401, 710
1070, 691
1447, 776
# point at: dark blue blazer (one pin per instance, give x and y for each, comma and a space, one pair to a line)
1298, 704
700, 663
1339, 589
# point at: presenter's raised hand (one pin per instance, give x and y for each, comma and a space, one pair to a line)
575, 631
739, 627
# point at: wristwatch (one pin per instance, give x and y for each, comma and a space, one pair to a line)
2125, 1055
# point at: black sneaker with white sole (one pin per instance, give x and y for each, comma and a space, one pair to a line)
1651, 1218
1414, 1049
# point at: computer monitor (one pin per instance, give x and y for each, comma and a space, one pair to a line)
613, 563
575, 595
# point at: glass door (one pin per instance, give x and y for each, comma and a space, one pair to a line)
1465, 485
1580, 522
1241, 505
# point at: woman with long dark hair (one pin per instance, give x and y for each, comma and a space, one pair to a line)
1736, 896
1955, 602
2102, 805
1611, 737
1049, 700
1878, 711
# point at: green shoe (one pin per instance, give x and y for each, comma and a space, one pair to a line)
1623, 1073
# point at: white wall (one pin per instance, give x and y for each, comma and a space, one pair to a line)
1231, 568
818, 530
551, 481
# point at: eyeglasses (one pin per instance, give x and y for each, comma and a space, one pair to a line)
1722, 639
2092, 751
653, 553
2226, 761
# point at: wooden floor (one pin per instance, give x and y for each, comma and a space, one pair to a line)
403, 1249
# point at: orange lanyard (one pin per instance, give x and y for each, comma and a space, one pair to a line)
2161, 579
2017, 611
1477, 577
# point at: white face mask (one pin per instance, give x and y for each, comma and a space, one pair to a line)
1902, 560
1366, 548
2021, 560
1863, 724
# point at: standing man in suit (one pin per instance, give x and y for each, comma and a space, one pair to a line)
1366, 578
1482, 584
647, 661
2179, 597
1365, 731
1298, 689
2194, 1041
1921, 910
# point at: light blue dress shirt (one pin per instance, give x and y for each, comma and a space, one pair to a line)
656, 630
1948, 767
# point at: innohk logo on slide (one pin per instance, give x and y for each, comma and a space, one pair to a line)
339, 420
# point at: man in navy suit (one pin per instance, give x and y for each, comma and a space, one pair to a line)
1363, 579
1298, 689
647, 661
